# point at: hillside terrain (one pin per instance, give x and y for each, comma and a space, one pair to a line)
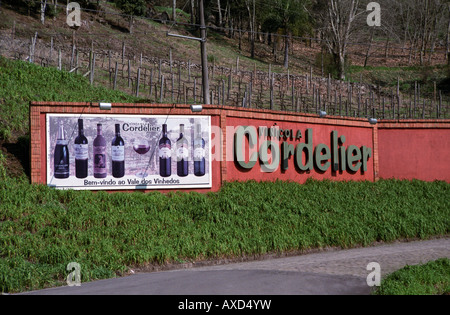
42, 229
149, 49
108, 30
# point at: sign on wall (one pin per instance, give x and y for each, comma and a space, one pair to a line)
104, 152
307, 156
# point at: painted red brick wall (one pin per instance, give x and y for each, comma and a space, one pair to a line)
356, 133
415, 150
403, 150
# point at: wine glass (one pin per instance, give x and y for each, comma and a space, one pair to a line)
141, 147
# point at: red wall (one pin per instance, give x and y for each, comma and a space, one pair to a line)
402, 150
414, 151
354, 135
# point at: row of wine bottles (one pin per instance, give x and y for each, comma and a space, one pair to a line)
182, 153
62, 160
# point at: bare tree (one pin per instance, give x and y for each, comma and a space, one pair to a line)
336, 19
421, 22
174, 10
193, 13
251, 9
220, 13
43, 7
447, 45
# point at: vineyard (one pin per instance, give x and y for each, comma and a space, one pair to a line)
112, 58
149, 65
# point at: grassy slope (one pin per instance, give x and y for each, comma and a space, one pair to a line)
22, 82
432, 278
109, 31
386, 77
42, 230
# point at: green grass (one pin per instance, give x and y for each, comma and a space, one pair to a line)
42, 229
386, 77
432, 278
22, 82
181, 15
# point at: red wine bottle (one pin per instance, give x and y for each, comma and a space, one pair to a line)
182, 154
199, 152
100, 170
61, 156
165, 154
118, 155
81, 152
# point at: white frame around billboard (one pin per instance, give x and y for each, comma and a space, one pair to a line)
50, 183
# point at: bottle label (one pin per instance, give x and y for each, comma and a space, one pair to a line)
99, 160
62, 169
62, 142
118, 153
182, 153
199, 154
165, 152
81, 151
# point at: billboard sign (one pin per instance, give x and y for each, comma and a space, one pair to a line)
123, 152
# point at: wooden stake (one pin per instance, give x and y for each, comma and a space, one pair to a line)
162, 90
129, 73
138, 81
151, 82
92, 69
115, 75
123, 52
59, 60
271, 93
189, 70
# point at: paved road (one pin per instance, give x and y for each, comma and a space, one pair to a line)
327, 272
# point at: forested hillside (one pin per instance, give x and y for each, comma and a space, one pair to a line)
343, 29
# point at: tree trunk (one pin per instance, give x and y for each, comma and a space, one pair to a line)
253, 30
406, 29
340, 17
424, 43
43, 7
240, 34
220, 13
230, 23
192, 12
174, 10
447, 50
368, 49
433, 46
339, 62
55, 6
341, 66
286, 52
274, 47
131, 24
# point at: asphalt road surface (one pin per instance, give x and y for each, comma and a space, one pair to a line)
330, 272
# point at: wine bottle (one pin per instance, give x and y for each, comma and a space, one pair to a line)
118, 155
182, 154
61, 157
100, 170
199, 152
165, 154
81, 152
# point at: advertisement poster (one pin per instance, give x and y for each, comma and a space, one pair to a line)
113, 152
